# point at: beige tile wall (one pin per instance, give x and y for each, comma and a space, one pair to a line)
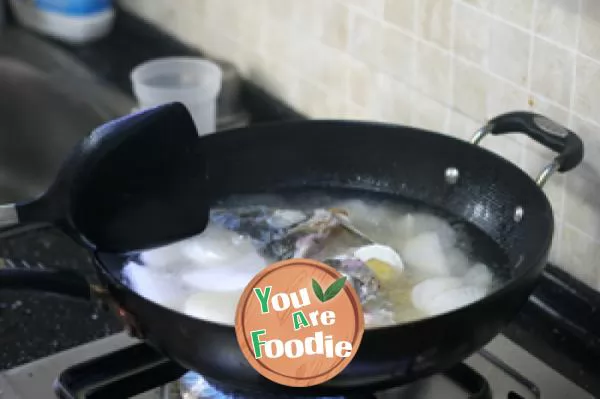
438, 64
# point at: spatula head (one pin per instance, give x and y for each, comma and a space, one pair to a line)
141, 182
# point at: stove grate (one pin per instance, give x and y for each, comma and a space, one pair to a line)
138, 369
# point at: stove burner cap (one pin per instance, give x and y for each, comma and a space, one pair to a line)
194, 386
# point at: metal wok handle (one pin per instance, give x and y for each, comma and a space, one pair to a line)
20, 275
543, 130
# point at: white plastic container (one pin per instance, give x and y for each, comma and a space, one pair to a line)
194, 82
73, 21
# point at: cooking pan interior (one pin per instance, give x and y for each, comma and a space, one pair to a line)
389, 161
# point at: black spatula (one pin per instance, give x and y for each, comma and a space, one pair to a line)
135, 183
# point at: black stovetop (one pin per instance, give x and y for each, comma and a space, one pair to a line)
560, 324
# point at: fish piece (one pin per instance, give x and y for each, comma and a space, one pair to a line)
373, 216
361, 277
377, 307
285, 218
319, 235
308, 245
263, 226
258, 222
325, 235
313, 233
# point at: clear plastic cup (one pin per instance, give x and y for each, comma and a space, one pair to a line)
194, 82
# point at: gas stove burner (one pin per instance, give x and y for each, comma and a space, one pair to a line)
459, 382
120, 367
139, 368
195, 386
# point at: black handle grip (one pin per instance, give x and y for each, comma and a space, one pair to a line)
61, 282
121, 374
21, 229
546, 132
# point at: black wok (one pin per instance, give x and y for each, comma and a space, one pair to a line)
509, 211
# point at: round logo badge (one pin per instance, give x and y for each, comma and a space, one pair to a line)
299, 322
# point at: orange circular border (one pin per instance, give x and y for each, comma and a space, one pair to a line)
246, 347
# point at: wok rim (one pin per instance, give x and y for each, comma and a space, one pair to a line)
541, 253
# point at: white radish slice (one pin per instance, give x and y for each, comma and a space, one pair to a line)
457, 261
425, 253
160, 288
453, 299
163, 257
405, 229
425, 292
217, 307
478, 275
359, 210
416, 224
250, 262
379, 318
445, 232
382, 253
247, 262
219, 279
216, 246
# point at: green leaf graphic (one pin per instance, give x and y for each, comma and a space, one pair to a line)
318, 290
334, 289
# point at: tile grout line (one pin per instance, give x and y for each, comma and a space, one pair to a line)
570, 124
572, 114
516, 86
528, 90
583, 233
531, 46
586, 119
448, 116
349, 20
414, 63
360, 10
572, 94
529, 31
497, 18
492, 15
487, 71
453, 56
